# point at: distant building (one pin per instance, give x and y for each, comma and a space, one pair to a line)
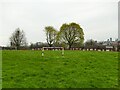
110, 42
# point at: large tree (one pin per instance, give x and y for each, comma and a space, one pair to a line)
51, 34
71, 33
18, 39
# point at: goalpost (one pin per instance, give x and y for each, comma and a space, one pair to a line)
53, 48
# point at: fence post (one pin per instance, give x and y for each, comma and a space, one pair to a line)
42, 51
62, 51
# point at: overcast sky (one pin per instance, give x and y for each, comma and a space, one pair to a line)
98, 18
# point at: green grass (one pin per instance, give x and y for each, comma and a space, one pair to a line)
76, 69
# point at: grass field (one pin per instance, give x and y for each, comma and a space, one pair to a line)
76, 69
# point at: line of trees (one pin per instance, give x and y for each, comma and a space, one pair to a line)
69, 34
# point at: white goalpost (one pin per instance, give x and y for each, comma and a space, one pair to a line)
52, 48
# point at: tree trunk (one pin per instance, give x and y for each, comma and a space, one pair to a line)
70, 46
50, 45
18, 47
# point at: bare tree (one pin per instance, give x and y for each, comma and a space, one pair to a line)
18, 39
90, 42
51, 34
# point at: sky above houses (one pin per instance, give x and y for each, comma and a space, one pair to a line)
98, 18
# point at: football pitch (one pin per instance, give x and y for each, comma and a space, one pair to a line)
76, 69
